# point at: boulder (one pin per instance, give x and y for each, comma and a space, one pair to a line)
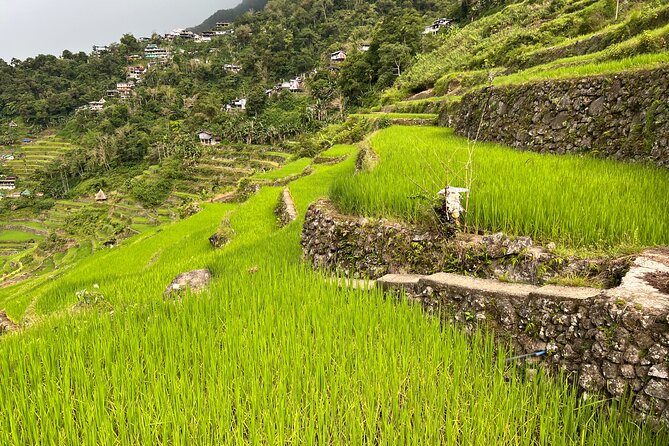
194, 281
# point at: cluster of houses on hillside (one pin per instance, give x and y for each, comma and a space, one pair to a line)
221, 29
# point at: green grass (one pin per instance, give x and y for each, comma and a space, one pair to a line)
639, 62
278, 356
293, 168
581, 202
395, 115
338, 150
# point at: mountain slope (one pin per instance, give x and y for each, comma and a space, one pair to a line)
229, 15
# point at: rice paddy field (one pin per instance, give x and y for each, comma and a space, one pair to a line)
272, 353
580, 202
30, 157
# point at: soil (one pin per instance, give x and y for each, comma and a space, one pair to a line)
658, 280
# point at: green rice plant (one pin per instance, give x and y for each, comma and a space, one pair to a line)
579, 201
273, 353
293, 168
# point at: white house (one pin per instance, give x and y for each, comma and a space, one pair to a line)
7, 183
97, 49
97, 106
437, 25
238, 105
232, 68
207, 138
338, 56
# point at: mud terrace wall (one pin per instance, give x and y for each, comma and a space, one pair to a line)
624, 116
615, 340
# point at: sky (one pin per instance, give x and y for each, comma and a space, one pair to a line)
32, 27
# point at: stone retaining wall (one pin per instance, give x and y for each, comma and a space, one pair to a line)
367, 247
612, 345
623, 116
614, 340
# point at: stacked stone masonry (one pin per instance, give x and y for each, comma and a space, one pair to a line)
623, 116
614, 340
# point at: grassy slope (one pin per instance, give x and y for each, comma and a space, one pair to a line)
277, 356
544, 40
580, 201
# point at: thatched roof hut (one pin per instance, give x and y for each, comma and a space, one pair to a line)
100, 196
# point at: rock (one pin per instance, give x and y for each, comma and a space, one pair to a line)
194, 281
590, 379
657, 389
6, 324
616, 387
627, 371
659, 371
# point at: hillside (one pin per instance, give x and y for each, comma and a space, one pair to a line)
230, 15
342, 222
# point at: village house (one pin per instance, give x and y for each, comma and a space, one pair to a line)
136, 72
207, 138
338, 57
7, 183
133, 57
97, 106
98, 49
437, 25
125, 89
152, 51
363, 47
232, 68
100, 196
12, 124
112, 93
295, 85
187, 35
236, 105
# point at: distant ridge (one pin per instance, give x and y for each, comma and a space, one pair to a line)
229, 15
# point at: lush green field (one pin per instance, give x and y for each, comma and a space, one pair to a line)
17, 236
293, 168
273, 354
574, 69
579, 201
395, 116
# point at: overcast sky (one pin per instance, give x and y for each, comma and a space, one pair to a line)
32, 27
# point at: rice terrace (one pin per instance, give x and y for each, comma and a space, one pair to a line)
421, 222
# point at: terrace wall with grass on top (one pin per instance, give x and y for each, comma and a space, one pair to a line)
624, 116
615, 340
360, 247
